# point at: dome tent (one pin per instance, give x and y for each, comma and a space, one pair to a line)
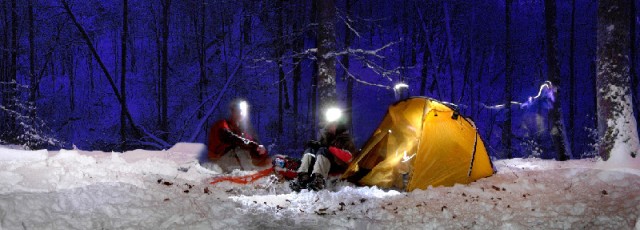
421, 142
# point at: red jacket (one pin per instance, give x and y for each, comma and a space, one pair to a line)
224, 136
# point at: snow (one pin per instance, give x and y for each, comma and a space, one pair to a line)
169, 190
626, 149
21, 155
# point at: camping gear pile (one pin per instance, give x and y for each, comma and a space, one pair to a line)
421, 142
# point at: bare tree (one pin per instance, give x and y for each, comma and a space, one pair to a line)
508, 86
123, 73
283, 92
32, 61
345, 64
13, 66
558, 131
202, 53
326, 61
4, 65
164, 71
68, 61
314, 75
634, 59
4, 59
447, 21
572, 75
616, 122
298, 46
428, 56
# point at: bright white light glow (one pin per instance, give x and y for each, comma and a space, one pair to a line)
244, 107
333, 114
400, 86
406, 158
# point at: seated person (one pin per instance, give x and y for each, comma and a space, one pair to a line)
331, 154
231, 146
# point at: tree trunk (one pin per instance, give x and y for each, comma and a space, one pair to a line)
467, 72
558, 131
32, 63
404, 30
616, 124
4, 66
202, 84
13, 73
280, 95
91, 80
246, 24
72, 79
345, 63
634, 60
572, 77
123, 74
427, 56
426, 62
3, 59
164, 72
158, 70
508, 96
283, 93
325, 60
298, 47
447, 19
478, 89
13, 50
314, 74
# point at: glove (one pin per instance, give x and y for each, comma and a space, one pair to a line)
313, 144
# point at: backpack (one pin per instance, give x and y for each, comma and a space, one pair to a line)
286, 167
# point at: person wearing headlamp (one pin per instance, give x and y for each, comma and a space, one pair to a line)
332, 153
232, 145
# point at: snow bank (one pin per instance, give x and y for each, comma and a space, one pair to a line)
44, 171
169, 190
22, 155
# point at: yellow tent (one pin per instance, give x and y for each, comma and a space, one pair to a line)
421, 142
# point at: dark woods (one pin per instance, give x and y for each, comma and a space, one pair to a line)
126, 74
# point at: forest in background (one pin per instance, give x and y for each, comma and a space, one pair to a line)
126, 74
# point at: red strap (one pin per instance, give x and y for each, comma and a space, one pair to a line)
243, 179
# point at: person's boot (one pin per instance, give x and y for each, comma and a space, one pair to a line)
317, 182
300, 182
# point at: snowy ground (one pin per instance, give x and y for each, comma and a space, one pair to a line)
169, 190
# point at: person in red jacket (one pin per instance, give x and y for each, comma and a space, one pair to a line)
332, 154
231, 145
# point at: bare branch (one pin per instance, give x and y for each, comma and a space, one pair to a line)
359, 80
346, 21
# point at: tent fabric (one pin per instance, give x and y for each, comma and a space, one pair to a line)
421, 142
